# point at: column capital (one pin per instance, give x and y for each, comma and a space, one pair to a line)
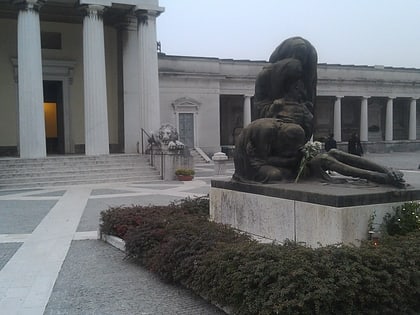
29, 4
339, 96
144, 15
366, 97
93, 9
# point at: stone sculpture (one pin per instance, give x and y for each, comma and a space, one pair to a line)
351, 165
286, 88
166, 138
272, 148
268, 149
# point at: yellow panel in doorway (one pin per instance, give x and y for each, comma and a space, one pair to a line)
50, 113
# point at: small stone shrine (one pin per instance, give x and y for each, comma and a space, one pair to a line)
282, 187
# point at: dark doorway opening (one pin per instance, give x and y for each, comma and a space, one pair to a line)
54, 116
231, 118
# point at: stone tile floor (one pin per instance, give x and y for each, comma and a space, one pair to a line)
52, 263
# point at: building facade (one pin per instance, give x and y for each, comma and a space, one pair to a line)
73, 72
85, 77
378, 103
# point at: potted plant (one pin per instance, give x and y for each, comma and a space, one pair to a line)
184, 174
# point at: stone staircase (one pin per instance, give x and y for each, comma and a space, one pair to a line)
197, 157
73, 170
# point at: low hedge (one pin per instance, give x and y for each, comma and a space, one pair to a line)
182, 246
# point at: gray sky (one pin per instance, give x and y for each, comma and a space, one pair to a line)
358, 32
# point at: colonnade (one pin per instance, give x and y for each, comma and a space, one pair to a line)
364, 119
337, 127
32, 143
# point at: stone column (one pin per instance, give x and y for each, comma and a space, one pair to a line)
132, 126
32, 142
148, 70
364, 119
412, 129
337, 118
96, 109
247, 110
389, 119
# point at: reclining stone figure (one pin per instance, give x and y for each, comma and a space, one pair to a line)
353, 166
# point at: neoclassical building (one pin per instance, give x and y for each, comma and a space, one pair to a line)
77, 76
86, 77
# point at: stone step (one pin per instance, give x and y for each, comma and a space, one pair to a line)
36, 172
77, 160
69, 170
81, 166
57, 183
198, 159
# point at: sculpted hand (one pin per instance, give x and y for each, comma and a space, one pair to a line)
396, 177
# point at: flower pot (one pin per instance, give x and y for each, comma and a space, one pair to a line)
184, 177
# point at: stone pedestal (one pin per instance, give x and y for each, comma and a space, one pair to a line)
311, 213
220, 160
167, 161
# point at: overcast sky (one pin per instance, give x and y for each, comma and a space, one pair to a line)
358, 32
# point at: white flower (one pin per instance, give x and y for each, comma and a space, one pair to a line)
309, 150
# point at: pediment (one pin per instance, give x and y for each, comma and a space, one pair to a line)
186, 104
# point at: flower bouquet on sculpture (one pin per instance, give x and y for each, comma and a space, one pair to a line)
309, 150
184, 174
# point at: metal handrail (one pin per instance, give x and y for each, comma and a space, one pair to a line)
143, 132
152, 154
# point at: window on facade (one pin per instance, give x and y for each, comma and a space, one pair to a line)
50, 40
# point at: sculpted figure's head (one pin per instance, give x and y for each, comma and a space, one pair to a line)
290, 139
167, 133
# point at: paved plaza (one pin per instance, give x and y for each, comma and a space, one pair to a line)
52, 263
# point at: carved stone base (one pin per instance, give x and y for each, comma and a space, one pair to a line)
315, 214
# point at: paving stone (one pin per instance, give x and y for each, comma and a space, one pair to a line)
14, 191
53, 193
7, 250
96, 279
91, 216
22, 216
108, 191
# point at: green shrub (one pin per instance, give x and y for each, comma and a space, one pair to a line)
194, 206
292, 279
118, 220
184, 171
405, 219
228, 268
